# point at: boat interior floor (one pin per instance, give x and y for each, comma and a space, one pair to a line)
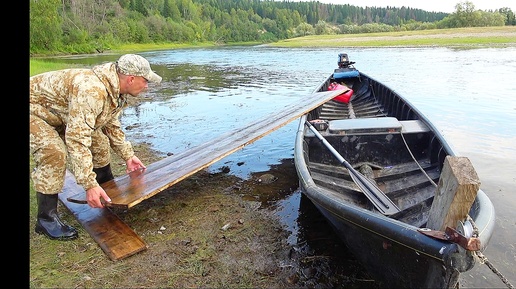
408, 180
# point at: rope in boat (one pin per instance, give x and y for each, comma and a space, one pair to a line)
482, 259
414, 158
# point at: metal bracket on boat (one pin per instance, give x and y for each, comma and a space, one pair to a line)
452, 235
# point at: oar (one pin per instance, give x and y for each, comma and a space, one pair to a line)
369, 188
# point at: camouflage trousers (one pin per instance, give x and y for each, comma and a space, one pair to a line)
49, 152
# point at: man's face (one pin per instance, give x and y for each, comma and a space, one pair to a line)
137, 84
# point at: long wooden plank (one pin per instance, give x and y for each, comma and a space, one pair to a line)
128, 190
114, 236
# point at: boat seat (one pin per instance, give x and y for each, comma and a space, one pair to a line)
375, 125
413, 126
364, 125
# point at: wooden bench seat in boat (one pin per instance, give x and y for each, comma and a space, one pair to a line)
413, 126
375, 125
365, 125
115, 237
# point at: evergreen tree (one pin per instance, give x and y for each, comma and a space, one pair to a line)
166, 9
141, 8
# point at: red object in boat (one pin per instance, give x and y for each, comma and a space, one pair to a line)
343, 97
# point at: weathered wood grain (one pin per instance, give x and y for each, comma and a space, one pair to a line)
114, 236
458, 187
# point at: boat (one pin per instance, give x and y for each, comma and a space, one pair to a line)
372, 164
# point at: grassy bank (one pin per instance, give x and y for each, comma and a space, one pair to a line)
460, 37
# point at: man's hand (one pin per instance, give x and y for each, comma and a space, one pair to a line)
95, 195
133, 164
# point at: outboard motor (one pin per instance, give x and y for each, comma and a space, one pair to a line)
346, 68
344, 61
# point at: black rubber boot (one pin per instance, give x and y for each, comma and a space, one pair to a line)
48, 222
104, 174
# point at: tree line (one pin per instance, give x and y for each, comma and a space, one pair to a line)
88, 26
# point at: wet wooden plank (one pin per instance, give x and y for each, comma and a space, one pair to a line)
114, 237
128, 190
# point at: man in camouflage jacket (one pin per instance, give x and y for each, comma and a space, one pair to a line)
74, 121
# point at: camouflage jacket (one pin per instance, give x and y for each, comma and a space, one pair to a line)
78, 102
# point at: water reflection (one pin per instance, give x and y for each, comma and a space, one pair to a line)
185, 78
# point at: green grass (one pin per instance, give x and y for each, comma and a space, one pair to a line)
40, 66
160, 46
465, 37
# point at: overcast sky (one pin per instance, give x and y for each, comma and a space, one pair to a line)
447, 6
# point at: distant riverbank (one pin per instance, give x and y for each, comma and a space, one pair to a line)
472, 37
498, 36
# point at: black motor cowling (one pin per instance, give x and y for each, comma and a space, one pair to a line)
344, 60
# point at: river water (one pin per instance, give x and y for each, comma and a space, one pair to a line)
470, 95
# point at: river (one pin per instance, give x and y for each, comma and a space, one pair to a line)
469, 94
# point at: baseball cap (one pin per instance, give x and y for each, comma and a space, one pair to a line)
132, 64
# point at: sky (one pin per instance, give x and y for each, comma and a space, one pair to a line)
447, 6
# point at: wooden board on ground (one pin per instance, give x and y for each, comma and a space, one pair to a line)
128, 190
114, 236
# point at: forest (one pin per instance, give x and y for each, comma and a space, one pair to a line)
94, 26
